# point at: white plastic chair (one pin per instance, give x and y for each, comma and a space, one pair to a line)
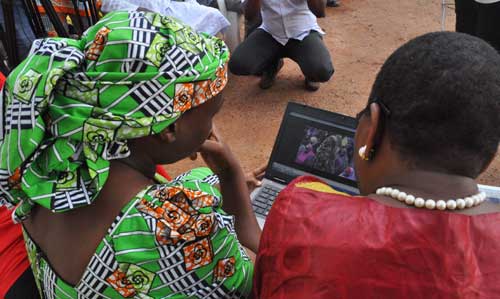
445, 4
232, 36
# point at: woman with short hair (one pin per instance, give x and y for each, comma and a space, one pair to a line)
421, 227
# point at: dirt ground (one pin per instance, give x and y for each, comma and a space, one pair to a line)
360, 34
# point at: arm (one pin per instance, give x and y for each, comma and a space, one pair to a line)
252, 9
236, 197
317, 7
237, 202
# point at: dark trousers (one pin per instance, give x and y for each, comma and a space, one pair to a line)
481, 20
260, 52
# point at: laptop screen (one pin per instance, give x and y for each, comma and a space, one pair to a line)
314, 142
328, 151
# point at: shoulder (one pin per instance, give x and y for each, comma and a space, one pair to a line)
308, 203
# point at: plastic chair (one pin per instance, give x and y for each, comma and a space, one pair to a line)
232, 36
445, 4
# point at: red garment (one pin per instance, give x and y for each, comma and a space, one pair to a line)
2, 80
163, 172
13, 258
324, 245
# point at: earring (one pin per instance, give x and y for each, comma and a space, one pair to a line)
362, 152
363, 155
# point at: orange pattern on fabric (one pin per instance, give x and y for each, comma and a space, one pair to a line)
184, 93
98, 45
217, 85
162, 194
14, 180
225, 268
177, 217
148, 208
191, 194
174, 216
197, 255
203, 201
201, 92
118, 280
204, 224
163, 234
181, 200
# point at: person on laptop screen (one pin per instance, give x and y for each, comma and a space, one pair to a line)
421, 229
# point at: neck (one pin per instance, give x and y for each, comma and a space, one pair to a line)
141, 165
427, 184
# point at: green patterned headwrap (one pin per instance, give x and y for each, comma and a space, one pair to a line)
71, 106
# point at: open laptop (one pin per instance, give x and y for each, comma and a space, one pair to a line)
313, 142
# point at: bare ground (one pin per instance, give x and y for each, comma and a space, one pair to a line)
361, 34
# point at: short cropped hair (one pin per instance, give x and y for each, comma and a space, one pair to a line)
443, 91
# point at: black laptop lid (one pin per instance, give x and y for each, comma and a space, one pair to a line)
314, 141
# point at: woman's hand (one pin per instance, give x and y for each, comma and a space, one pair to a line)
254, 178
218, 156
222, 161
233, 184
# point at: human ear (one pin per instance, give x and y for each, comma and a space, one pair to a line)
169, 134
370, 138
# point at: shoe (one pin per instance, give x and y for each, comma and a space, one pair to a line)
332, 3
269, 76
312, 86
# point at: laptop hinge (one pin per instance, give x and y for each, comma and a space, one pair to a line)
279, 180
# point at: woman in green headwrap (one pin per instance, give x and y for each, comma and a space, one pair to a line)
83, 124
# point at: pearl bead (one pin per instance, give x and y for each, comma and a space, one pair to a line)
441, 205
410, 199
430, 204
419, 202
451, 204
482, 196
469, 202
461, 204
402, 196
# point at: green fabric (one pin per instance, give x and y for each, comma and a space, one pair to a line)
171, 241
71, 106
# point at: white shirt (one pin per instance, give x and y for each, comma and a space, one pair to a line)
201, 18
287, 19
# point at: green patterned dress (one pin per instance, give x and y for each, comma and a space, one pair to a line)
171, 241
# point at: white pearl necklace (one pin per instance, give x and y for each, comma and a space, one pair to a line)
431, 204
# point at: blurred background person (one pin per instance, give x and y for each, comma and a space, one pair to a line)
289, 29
200, 17
480, 18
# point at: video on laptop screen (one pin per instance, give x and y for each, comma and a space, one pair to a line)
328, 152
314, 145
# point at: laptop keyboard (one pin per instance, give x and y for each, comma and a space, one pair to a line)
263, 202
